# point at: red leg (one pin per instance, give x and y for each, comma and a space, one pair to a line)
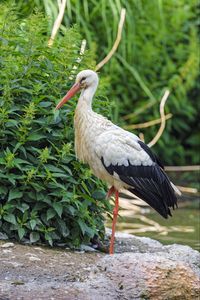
115, 213
110, 192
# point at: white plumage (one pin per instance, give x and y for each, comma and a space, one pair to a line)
115, 155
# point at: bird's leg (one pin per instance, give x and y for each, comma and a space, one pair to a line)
115, 213
110, 192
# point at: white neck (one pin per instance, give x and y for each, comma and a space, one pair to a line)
87, 95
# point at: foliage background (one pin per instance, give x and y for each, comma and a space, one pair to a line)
158, 50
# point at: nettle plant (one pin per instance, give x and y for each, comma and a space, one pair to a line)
46, 195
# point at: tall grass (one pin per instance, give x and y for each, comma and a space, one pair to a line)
158, 49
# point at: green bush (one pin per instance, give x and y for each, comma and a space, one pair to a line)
45, 194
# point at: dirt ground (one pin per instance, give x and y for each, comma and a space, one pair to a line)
41, 269
30, 272
38, 273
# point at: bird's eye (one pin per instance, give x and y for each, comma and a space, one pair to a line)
83, 78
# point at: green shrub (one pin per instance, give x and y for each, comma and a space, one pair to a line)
45, 194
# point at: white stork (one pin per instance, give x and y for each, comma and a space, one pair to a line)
117, 156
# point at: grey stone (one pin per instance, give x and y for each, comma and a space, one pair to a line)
7, 245
149, 271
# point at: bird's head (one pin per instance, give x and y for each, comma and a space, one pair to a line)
84, 80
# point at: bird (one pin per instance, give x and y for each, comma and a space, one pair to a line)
117, 156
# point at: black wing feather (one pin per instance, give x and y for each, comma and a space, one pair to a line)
150, 183
153, 156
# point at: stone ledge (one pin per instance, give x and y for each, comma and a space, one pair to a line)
149, 271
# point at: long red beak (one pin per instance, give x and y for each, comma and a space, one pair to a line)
74, 89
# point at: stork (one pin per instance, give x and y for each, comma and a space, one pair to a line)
117, 156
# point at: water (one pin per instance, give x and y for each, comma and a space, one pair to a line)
183, 228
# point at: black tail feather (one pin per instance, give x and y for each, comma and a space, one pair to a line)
154, 200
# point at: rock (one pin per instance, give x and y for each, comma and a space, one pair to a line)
157, 272
39, 249
86, 248
7, 251
143, 276
7, 245
16, 264
34, 258
149, 271
30, 254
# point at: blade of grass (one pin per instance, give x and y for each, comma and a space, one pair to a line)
137, 77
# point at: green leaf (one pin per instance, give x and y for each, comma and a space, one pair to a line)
66, 168
58, 208
72, 180
39, 206
52, 168
50, 213
11, 178
14, 194
10, 218
46, 200
57, 185
23, 207
62, 227
85, 228
45, 104
3, 190
71, 209
82, 226
33, 223
2, 161
36, 137
11, 123
37, 187
87, 197
25, 216
60, 175
99, 195
34, 237
85, 187
21, 232
21, 161
48, 237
